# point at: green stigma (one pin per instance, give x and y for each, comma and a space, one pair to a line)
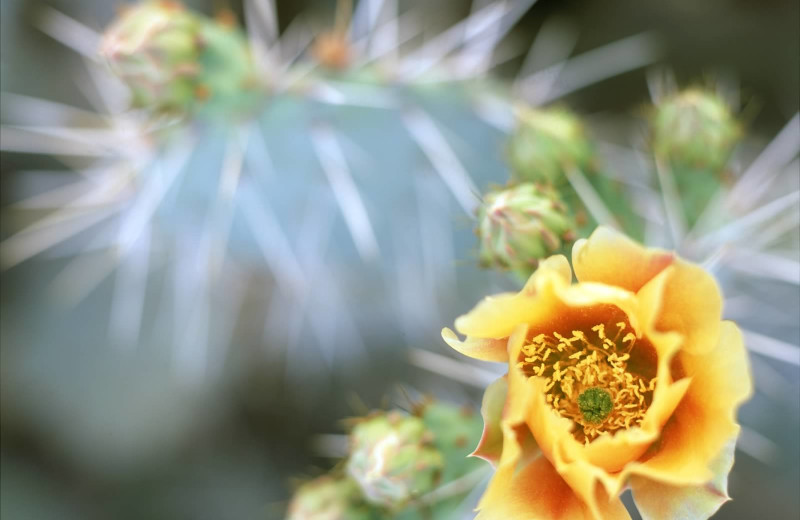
595, 404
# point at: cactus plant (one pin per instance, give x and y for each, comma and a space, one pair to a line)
291, 182
281, 215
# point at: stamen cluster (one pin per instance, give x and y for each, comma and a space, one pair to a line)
585, 366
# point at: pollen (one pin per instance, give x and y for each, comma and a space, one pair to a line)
588, 378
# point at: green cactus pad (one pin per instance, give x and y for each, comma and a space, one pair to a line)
456, 432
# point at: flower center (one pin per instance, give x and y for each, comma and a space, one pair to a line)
595, 404
588, 378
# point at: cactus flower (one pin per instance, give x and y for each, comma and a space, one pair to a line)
545, 143
628, 377
521, 225
393, 459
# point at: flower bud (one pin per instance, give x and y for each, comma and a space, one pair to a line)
694, 130
521, 225
393, 459
177, 61
328, 498
545, 144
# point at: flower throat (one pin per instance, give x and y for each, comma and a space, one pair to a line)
587, 378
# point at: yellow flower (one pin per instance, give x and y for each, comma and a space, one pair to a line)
626, 378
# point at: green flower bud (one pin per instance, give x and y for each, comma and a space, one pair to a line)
521, 225
328, 498
393, 459
545, 144
177, 61
694, 130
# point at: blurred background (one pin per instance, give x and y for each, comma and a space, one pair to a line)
193, 377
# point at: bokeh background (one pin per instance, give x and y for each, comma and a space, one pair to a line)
91, 430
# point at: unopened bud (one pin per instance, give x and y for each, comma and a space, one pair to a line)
177, 61
545, 144
328, 498
522, 225
694, 130
393, 459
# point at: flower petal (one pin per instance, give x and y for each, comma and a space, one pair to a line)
612, 258
518, 443
656, 500
590, 294
537, 492
490, 447
705, 419
519, 400
583, 478
526, 485
692, 306
612, 453
684, 299
526, 403
485, 349
722, 376
496, 316
651, 305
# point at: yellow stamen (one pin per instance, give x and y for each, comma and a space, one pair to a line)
590, 360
